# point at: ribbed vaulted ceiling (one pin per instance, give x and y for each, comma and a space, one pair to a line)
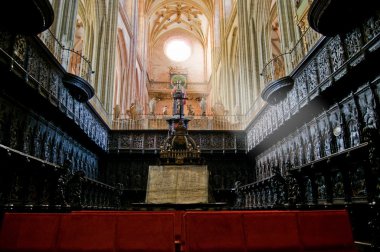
192, 16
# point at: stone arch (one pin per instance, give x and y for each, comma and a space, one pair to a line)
121, 72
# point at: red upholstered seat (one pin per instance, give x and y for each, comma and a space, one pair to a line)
135, 226
325, 231
94, 232
271, 231
178, 224
145, 232
213, 232
29, 232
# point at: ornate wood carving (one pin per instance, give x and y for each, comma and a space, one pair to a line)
321, 73
36, 71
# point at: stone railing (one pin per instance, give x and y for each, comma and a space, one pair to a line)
151, 141
158, 122
72, 61
302, 47
274, 69
283, 64
54, 46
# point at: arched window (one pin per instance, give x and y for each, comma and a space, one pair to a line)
177, 49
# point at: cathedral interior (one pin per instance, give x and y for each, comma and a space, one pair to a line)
280, 99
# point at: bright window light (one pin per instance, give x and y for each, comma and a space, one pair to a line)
177, 50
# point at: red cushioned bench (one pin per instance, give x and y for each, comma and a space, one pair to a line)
29, 232
178, 215
221, 231
145, 232
268, 231
213, 232
129, 232
86, 233
328, 231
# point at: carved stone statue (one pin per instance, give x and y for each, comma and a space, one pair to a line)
132, 111
152, 106
218, 109
165, 110
116, 112
203, 105
139, 109
190, 110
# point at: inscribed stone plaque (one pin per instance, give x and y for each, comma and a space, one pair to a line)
184, 184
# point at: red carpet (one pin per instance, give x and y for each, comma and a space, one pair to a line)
196, 231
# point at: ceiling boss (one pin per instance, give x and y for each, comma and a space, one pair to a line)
178, 13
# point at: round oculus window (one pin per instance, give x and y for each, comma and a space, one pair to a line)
177, 50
